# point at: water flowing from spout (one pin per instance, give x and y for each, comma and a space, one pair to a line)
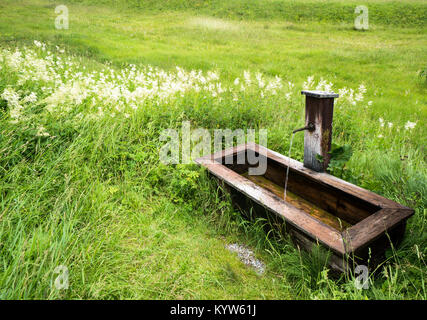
287, 170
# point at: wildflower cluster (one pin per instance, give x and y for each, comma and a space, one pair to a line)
62, 85
409, 125
347, 95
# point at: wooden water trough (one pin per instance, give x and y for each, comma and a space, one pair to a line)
354, 224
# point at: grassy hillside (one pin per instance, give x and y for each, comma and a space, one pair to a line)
81, 184
396, 13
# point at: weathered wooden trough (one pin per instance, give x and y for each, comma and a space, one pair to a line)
356, 225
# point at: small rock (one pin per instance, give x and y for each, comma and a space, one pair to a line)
247, 257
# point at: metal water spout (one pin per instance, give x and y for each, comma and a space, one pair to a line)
319, 110
309, 127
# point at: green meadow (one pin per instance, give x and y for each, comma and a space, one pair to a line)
81, 183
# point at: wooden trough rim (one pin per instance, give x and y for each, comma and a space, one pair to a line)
358, 236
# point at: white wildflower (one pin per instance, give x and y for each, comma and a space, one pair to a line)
309, 83
12, 98
260, 80
31, 98
410, 125
247, 77
41, 132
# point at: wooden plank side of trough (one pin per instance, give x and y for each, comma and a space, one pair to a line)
299, 219
371, 228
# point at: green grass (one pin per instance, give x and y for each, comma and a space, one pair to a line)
97, 200
382, 11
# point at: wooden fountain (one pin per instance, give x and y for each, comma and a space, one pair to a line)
354, 224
